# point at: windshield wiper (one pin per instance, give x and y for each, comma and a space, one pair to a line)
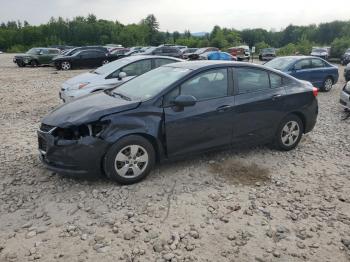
122, 96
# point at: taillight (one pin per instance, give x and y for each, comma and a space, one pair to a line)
315, 91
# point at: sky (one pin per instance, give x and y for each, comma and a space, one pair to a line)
180, 15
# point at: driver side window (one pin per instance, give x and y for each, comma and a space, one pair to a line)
208, 85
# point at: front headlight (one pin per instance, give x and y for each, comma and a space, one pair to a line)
82, 85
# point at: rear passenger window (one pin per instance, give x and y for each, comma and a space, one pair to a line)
159, 62
251, 80
275, 80
303, 64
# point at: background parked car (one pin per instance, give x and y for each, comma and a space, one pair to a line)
320, 52
241, 52
345, 59
163, 51
347, 72
217, 55
200, 51
36, 56
83, 59
111, 75
187, 51
178, 110
267, 54
345, 97
81, 48
313, 69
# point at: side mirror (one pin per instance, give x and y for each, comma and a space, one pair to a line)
121, 75
185, 100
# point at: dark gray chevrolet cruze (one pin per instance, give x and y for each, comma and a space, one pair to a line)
176, 110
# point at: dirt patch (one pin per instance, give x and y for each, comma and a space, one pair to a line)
238, 172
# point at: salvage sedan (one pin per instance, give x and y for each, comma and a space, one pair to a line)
172, 111
111, 75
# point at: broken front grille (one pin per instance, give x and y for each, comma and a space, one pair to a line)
42, 144
46, 128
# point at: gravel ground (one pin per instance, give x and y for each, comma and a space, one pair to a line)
254, 204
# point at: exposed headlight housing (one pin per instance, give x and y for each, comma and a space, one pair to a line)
77, 132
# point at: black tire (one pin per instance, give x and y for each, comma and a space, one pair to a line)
34, 63
122, 148
20, 64
326, 87
281, 133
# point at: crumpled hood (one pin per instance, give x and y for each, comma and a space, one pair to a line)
82, 78
87, 109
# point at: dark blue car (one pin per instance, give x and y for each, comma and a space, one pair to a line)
175, 111
315, 70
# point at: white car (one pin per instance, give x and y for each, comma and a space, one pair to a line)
111, 75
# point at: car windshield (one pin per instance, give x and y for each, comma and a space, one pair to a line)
151, 83
150, 50
280, 63
319, 50
268, 50
111, 67
34, 51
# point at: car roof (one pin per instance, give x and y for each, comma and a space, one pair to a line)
140, 57
193, 65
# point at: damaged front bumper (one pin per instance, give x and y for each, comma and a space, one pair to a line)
81, 157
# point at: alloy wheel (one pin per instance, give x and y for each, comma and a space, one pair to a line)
328, 84
131, 161
65, 65
290, 133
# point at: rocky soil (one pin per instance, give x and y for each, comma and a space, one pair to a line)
252, 204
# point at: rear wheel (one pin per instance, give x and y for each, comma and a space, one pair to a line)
327, 84
289, 133
65, 65
34, 63
129, 160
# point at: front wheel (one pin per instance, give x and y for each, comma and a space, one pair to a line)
129, 160
327, 84
34, 63
66, 65
289, 133
20, 64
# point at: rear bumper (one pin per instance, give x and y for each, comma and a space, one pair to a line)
77, 158
344, 99
311, 116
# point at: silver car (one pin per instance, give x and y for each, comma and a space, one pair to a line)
111, 75
345, 96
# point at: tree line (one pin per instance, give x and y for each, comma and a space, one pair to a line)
16, 36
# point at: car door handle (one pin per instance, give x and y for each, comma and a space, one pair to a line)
275, 97
223, 108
